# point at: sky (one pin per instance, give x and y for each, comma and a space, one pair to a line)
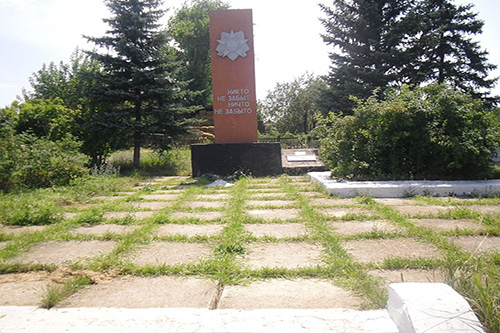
286, 37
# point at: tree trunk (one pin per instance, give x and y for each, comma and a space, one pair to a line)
137, 136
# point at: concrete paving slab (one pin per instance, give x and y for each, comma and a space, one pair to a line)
448, 225
105, 320
350, 228
274, 195
266, 203
288, 294
421, 210
205, 204
397, 202
484, 209
283, 255
401, 189
477, 243
274, 214
102, 229
215, 196
198, 215
376, 250
17, 230
163, 196
153, 205
170, 253
22, 289
189, 230
144, 292
341, 212
63, 252
124, 215
332, 202
276, 230
390, 276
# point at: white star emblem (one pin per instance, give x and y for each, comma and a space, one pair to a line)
232, 45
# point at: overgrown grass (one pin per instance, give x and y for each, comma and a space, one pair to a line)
174, 162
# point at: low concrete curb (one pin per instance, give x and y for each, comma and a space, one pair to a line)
412, 308
430, 307
401, 189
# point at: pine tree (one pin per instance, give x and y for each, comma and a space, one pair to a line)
446, 50
368, 37
140, 83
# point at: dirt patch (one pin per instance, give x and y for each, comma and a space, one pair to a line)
376, 250
102, 229
23, 289
448, 225
284, 255
264, 203
162, 197
332, 202
205, 204
195, 215
477, 243
276, 230
359, 227
61, 274
189, 230
16, 230
408, 275
273, 214
137, 292
289, 294
124, 215
63, 252
421, 210
170, 253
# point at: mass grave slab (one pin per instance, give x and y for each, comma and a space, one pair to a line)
236, 145
276, 230
376, 250
274, 203
288, 294
484, 209
342, 212
408, 275
207, 216
189, 230
64, 252
205, 204
152, 205
283, 255
125, 215
422, 210
16, 230
23, 289
142, 292
170, 253
102, 229
160, 196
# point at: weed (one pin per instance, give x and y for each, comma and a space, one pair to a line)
54, 294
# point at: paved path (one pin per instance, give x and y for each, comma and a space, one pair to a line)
263, 244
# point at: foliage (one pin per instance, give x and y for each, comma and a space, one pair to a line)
189, 28
425, 133
140, 79
384, 43
292, 107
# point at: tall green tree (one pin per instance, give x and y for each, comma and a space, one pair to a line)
189, 28
292, 107
141, 84
446, 50
367, 37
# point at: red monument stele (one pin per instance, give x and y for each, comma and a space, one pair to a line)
236, 146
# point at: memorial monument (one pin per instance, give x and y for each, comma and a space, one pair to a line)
236, 146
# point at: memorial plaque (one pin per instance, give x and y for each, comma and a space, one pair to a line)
233, 76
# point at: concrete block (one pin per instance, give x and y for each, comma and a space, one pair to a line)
430, 307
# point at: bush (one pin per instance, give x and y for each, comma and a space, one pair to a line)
435, 132
32, 162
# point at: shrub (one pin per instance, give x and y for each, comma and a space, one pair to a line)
435, 132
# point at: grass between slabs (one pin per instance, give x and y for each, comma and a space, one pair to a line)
476, 276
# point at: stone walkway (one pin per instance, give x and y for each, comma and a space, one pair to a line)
262, 244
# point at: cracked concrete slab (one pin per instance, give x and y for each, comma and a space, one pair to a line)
288, 294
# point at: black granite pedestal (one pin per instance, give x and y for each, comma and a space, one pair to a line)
256, 159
